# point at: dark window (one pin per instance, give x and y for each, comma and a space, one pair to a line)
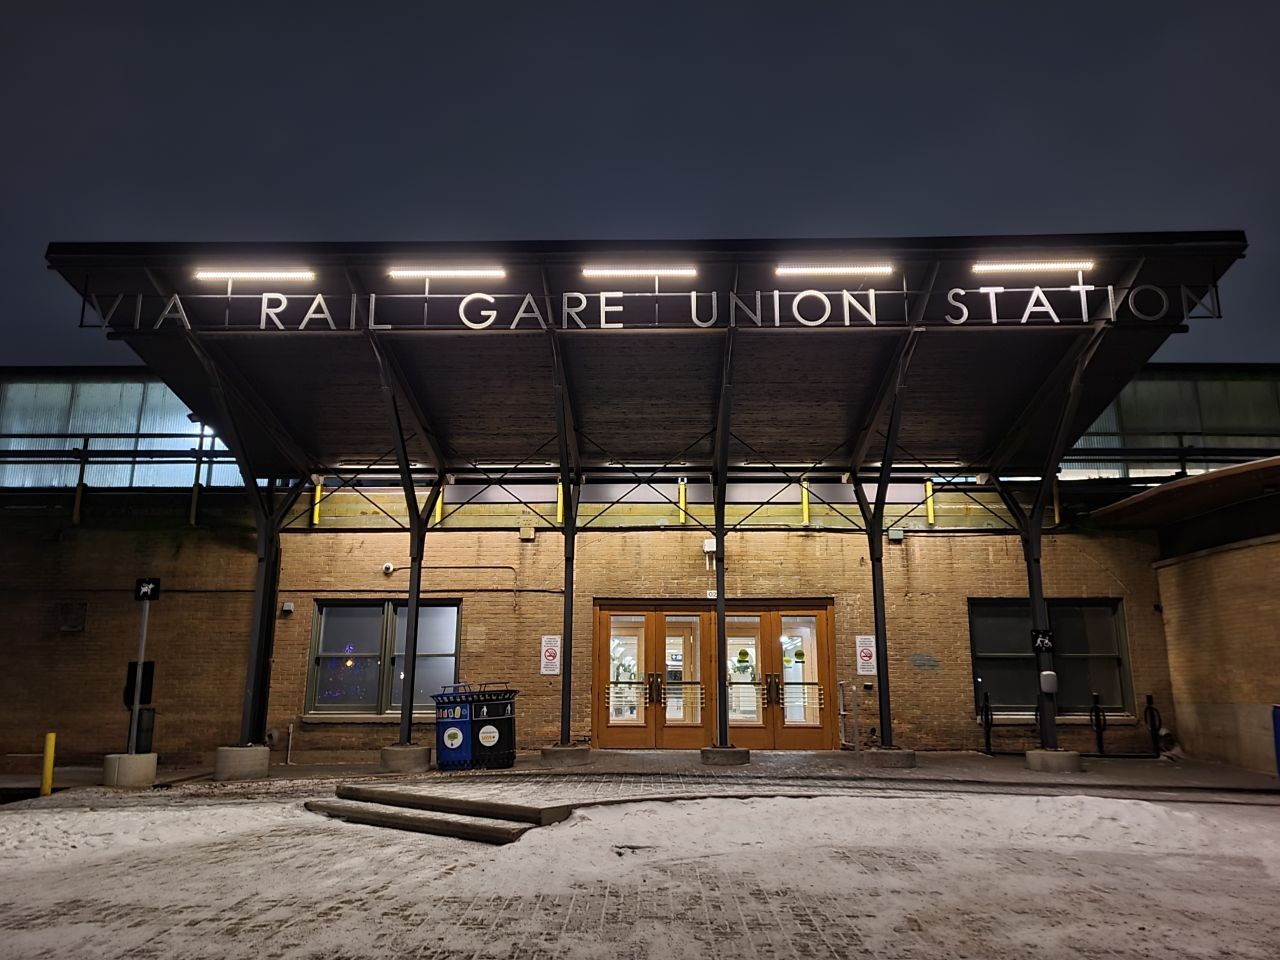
358, 649
1088, 655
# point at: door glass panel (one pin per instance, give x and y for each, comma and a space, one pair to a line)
745, 670
626, 669
801, 691
682, 674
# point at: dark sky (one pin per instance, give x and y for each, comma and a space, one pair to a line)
368, 121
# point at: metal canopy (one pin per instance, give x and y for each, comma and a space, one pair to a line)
979, 395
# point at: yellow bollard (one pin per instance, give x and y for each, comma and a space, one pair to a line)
46, 774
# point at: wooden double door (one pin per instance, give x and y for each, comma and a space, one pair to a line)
654, 677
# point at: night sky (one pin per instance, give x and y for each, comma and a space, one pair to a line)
350, 121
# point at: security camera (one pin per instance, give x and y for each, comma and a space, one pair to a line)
388, 569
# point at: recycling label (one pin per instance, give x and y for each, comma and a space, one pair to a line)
488, 735
453, 738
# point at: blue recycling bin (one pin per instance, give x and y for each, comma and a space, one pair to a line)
453, 726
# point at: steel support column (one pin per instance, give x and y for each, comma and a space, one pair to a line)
1030, 529
570, 490
873, 521
720, 479
888, 396
389, 377
571, 494
268, 515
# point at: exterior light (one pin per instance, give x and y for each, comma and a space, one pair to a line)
272, 275
1031, 266
601, 272
833, 269
447, 273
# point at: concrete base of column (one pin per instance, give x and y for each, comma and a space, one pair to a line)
1053, 761
129, 770
725, 756
405, 758
890, 759
559, 755
241, 763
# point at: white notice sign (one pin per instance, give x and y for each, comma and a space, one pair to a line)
550, 658
866, 647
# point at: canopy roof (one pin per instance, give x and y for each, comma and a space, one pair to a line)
802, 364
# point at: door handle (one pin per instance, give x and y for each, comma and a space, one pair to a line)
657, 689
773, 690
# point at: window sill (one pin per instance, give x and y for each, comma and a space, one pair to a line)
1072, 720
372, 718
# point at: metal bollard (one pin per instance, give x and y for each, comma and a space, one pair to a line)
46, 772
1098, 720
1151, 717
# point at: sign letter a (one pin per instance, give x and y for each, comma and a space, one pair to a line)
173, 311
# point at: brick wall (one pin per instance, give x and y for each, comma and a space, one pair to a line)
72, 682
510, 594
1222, 621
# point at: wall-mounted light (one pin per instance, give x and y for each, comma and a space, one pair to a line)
270, 275
833, 269
601, 272
447, 273
1031, 266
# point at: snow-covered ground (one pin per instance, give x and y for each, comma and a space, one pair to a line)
908, 875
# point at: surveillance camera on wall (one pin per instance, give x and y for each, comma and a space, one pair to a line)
388, 569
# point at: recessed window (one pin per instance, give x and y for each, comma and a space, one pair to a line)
357, 658
1089, 655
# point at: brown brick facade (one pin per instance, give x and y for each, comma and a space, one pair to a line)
510, 591
1222, 621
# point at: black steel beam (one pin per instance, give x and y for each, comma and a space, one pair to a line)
891, 383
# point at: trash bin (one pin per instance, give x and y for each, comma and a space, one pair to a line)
453, 726
493, 726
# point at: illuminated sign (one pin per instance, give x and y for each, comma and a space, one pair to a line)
811, 308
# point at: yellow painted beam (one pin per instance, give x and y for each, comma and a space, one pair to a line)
684, 500
559, 503
317, 496
804, 502
440, 509
928, 501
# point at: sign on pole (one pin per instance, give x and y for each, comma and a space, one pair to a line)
866, 648
550, 658
145, 589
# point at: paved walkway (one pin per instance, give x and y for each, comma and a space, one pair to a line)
867, 870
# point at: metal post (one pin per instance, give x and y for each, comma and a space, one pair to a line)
137, 677
566, 641
257, 680
1031, 540
720, 477
722, 637
417, 534
873, 517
